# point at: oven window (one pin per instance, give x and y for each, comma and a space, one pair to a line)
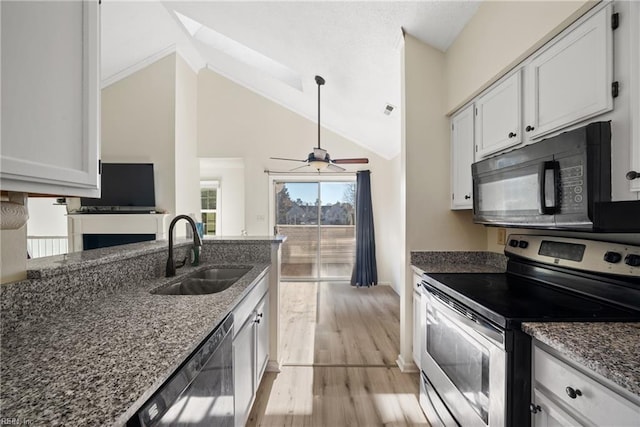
463, 360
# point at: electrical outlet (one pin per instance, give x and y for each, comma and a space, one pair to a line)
502, 236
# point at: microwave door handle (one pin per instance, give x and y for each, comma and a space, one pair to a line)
548, 179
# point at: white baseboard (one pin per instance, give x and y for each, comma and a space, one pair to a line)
273, 366
405, 366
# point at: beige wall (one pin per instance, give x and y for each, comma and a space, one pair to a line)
229, 172
138, 124
187, 165
431, 224
500, 35
236, 122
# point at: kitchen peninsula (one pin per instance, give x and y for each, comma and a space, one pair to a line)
84, 342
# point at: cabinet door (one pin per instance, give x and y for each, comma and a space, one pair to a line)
461, 158
570, 80
549, 414
635, 97
50, 97
262, 338
417, 327
243, 371
498, 116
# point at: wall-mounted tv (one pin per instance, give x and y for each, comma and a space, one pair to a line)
124, 186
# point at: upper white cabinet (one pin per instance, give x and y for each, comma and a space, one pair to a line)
499, 114
462, 129
50, 97
569, 79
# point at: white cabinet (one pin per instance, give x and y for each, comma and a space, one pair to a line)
498, 116
262, 338
569, 79
417, 324
570, 394
462, 130
50, 97
250, 347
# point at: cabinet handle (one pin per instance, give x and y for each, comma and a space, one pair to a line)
256, 320
534, 409
529, 128
259, 315
467, 197
573, 393
631, 175
512, 135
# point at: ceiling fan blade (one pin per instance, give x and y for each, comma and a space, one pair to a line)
335, 168
289, 160
299, 167
350, 161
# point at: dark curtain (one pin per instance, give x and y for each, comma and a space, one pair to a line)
365, 271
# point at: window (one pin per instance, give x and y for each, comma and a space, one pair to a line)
209, 205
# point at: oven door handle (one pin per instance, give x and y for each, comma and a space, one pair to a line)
480, 327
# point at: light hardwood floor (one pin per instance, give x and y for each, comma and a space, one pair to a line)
339, 348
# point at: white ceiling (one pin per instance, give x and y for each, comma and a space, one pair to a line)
353, 45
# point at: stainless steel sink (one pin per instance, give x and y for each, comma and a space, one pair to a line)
204, 282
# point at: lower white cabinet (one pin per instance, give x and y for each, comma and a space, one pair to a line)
417, 324
566, 393
250, 347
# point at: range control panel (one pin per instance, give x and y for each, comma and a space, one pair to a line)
579, 254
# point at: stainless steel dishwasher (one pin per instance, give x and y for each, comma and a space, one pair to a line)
200, 392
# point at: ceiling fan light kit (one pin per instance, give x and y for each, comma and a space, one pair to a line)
319, 158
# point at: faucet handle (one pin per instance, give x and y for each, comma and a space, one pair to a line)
180, 264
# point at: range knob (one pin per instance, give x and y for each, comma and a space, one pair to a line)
513, 243
612, 257
632, 260
523, 244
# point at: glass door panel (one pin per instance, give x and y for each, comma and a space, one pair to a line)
337, 229
297, 218
318, 219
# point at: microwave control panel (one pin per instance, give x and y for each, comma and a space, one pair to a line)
572, 184
579, 254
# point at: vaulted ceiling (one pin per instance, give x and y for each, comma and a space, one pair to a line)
276, 49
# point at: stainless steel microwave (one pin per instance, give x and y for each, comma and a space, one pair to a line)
563, 182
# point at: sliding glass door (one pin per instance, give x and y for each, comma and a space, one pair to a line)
318, 219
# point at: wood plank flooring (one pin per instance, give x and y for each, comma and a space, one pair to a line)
339, 348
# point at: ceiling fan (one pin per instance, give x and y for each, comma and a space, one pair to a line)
319, 158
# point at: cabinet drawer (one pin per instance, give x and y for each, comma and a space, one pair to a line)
597, 403
244, 309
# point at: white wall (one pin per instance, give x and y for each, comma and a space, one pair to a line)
187, 166
138, 125
236, 122
229, 172
45, 218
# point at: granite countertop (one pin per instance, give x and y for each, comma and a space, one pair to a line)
458, 262
98, 363
609, 349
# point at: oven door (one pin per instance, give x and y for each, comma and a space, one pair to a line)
464, 359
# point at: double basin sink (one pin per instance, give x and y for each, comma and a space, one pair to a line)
210, 281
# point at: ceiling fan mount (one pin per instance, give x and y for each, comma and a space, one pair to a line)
319, 158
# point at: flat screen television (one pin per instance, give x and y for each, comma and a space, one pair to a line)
124, 187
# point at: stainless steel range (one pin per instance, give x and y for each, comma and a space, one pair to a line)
476, 362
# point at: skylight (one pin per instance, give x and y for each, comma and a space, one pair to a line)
240, 52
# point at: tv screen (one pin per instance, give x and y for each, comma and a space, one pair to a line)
125, 184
